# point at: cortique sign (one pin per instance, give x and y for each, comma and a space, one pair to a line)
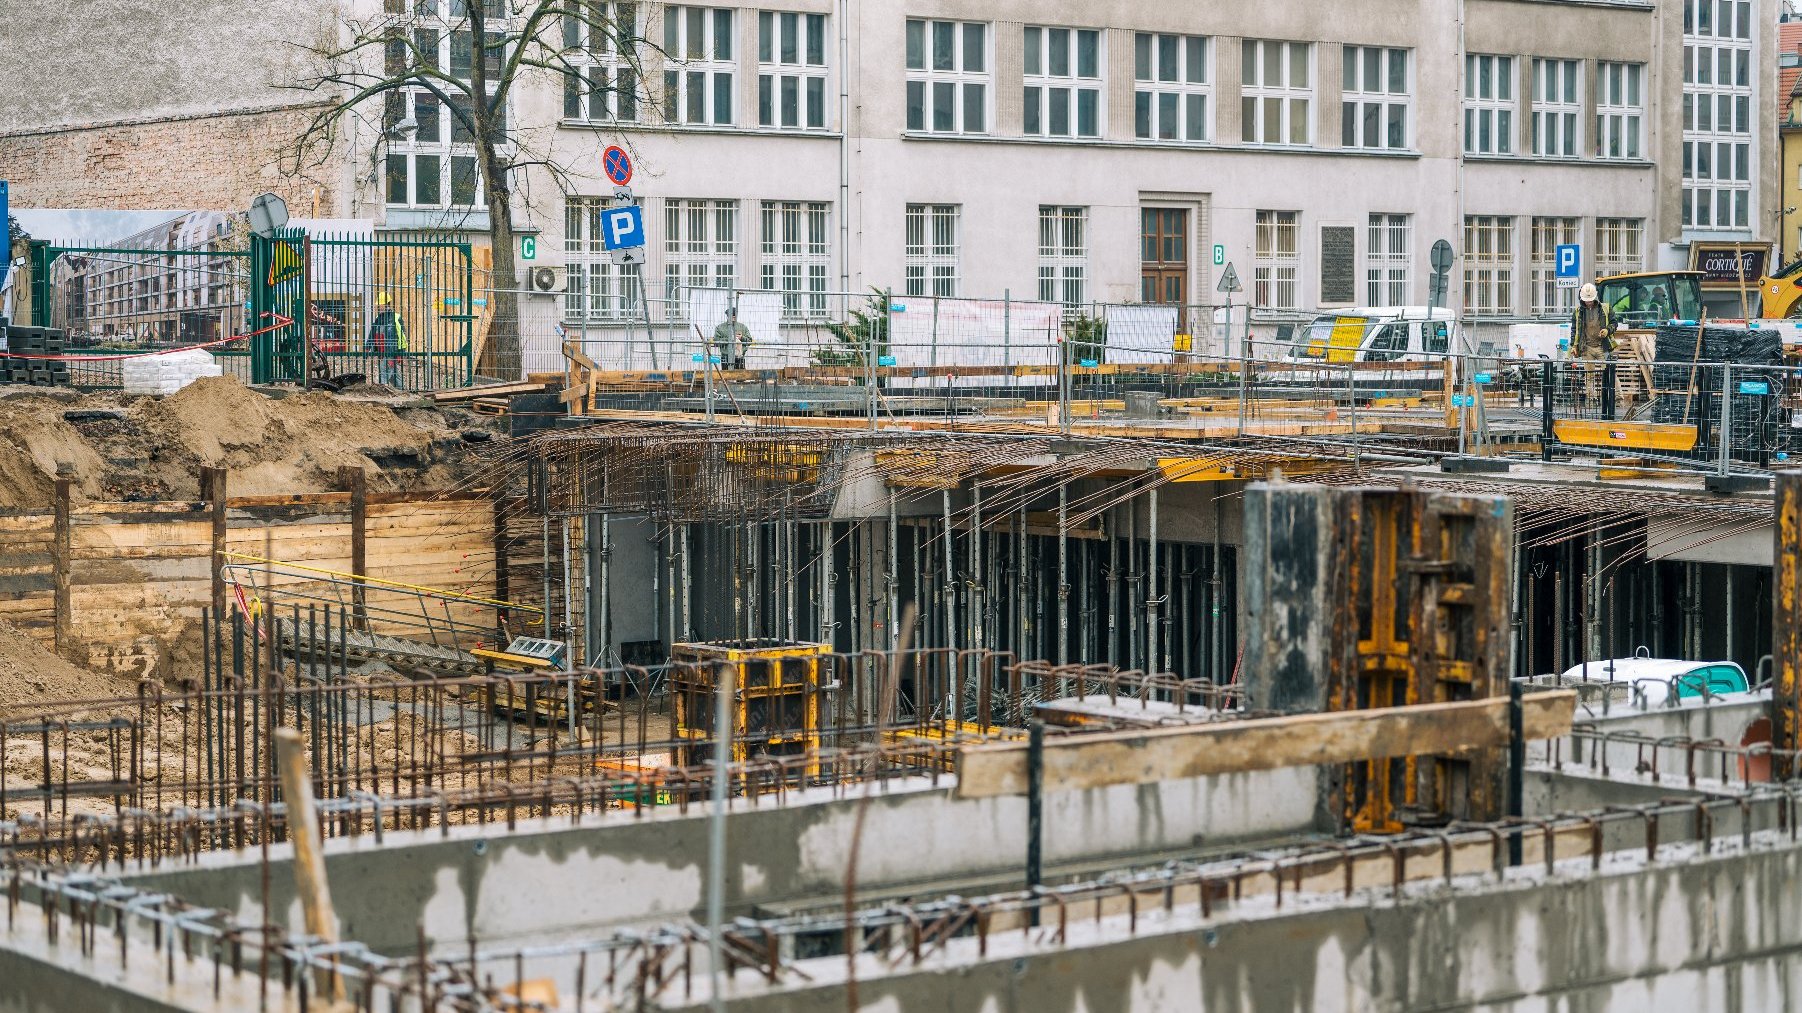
1723, 265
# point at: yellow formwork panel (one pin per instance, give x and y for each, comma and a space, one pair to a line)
1637, 435
775, 706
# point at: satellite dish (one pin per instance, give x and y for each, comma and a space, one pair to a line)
268, 215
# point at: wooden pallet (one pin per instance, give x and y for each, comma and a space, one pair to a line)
1633, 372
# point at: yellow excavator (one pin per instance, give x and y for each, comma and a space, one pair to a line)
1781, 293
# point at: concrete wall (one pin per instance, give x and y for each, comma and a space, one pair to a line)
226, 160
1684, 934
549, 878
154, 104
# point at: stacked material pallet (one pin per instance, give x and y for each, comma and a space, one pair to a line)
168, 372
26, 359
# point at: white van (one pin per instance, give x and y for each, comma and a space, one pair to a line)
1377, 334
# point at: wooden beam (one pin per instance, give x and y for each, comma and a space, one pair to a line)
355, 482
1077, 762
309, 861
490, 390
61, 543
212, 486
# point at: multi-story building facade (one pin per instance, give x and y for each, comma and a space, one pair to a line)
1105, 152
1119, 152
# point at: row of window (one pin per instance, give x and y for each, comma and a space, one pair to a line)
1491, 266
949, 79
701, 249
1555, 124
1717, 114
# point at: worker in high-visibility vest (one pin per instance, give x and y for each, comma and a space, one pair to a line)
1591, 339
388, 338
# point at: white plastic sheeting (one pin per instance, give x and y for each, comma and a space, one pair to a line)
760, 312
972, 332
1140, 333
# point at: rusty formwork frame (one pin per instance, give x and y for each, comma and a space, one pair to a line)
1425, 620
1786, 619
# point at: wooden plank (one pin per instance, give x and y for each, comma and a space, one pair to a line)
490, 390
1078, 761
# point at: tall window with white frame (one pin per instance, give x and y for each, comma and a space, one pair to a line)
1620, 243
796, 255
1063, 82
1172, 99
1276, 93
1542, 264
930, 266
600, 84
1277, 260
1717, 114
596, 288
947, 76
791, 70
1388, 243
1488, 104
1063, 254
1375, 98
698, 84
1557, 108
1620, 109
1488, 265
700, 247
434, 165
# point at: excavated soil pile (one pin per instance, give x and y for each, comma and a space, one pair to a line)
33, 678
134, 448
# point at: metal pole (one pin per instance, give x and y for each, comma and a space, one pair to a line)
1063, 574
1244, 366
894, 620
1035, 808
1151, 587
950, 579
716, 839
977, 595
1517, 764
1726, 434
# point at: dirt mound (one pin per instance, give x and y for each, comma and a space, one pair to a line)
34, 678
143, 448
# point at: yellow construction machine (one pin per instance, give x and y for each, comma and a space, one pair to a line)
1781, 293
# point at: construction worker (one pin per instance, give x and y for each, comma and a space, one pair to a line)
1591, 338
387, 338
732, 339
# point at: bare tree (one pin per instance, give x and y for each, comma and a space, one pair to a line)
494, 47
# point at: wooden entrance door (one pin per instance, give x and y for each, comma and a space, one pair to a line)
1164, 257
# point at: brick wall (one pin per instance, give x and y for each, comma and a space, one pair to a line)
213, 162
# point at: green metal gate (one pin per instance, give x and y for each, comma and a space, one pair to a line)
392, 308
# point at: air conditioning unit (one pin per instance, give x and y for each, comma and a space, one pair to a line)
545, 279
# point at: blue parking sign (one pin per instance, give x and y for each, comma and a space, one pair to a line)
622, 228
1569, 264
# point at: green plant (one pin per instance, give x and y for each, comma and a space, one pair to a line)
1087, 338
867, 329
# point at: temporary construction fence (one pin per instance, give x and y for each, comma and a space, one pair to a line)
401, 309
884, 328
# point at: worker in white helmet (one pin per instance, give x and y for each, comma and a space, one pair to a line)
1591, 339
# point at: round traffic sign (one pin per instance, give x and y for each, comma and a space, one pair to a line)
1441, 257
617, 165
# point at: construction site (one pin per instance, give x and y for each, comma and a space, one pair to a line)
986, 669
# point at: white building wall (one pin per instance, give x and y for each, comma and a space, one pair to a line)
869, 167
